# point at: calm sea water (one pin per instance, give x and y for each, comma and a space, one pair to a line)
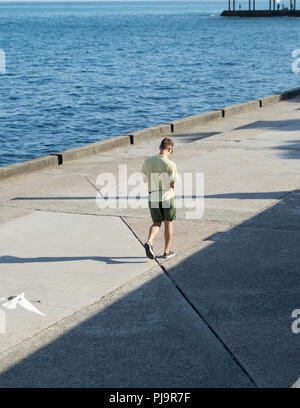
82, 72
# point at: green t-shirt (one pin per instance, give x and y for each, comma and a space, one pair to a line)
160, 172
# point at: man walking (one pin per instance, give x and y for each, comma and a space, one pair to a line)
161, 175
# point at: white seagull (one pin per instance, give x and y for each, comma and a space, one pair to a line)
11, 303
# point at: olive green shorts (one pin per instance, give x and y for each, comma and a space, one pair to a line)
163, 210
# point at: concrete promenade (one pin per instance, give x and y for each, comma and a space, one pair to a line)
217, 315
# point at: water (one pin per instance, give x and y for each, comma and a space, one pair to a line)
83, 71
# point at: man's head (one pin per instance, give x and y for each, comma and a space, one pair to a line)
166, 146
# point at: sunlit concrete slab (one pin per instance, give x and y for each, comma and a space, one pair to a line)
287, 154
228, 188
145, 334
63, 262
244, 125
9, 213
39, 185
277, 148
283, 136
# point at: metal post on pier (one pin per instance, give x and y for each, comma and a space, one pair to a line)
270, 5
253, 4
233, 5
228, 5
273, 4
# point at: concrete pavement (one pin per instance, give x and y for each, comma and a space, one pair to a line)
217, 315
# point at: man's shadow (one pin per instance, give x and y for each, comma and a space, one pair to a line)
8, 259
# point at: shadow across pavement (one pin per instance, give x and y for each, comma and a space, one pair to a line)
7, 259
289, 124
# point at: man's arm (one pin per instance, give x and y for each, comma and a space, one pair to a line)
144, 172
173, 176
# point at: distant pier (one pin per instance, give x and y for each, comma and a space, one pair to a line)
276, 9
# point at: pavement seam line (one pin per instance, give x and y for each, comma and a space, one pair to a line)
211, 329
92, 184
209, 326
3, 204
59, 212
274, 201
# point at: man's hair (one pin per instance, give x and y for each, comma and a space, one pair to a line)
165, 143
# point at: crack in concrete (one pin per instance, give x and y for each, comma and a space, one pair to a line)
205, 321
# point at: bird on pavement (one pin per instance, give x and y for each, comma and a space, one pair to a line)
11, 303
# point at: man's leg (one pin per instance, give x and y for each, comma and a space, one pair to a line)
149, 244
154, 229
168, 235
157, 218
169, 210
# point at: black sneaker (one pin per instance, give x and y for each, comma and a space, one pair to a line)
149, 250
169, 255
